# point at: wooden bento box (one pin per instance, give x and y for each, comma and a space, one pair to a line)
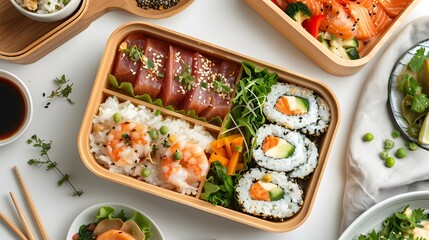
314, 49
106, 89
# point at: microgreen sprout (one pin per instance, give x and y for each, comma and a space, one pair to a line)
62, 91
44, 149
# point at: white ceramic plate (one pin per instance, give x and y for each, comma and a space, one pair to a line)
395, 96
373, 217
88, 216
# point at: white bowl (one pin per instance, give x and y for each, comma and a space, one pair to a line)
374, 217
28, 102
88, 216
65, 12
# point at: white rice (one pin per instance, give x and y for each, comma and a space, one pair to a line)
283, 208
290, 121
322, 123
308, 167
181, 129
47, 6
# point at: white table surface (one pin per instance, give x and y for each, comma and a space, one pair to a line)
227, 23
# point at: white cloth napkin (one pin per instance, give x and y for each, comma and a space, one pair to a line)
368, 180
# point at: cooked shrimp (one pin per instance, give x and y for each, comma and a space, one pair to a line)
127, 143
184, 165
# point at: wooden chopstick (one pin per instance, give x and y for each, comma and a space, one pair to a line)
31, 204
12, 226
22, 217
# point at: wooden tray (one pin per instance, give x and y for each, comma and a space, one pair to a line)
25, 41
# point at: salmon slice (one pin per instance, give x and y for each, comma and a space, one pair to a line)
270, 142
151, 74
200, 95
368, 4
257, 192
365, 27
394, 7
125, 69
379, 17
338, 21
220, 104
178, 67
315, 6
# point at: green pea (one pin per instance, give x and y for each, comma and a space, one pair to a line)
389, 144
401, 153
164, 130
153, 134
177, 155
156, 113
383, 155
396, 133
389, 162
413, 146
145, 172
368, 137
117, 117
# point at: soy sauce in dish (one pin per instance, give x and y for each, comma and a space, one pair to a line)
13, 108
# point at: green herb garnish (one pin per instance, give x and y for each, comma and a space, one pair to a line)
416, 63
186, 79
219, 85
134, 52
62, 91
399, 226
127, 139
44, 149
411, 87
150, 64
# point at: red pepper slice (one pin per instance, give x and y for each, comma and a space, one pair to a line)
312, 24
280, 3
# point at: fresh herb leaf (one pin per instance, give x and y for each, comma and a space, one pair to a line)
44, 148
134, 52
419, 100
416, 63
150, 64
62, 91
420, 103
220, 85
186, 79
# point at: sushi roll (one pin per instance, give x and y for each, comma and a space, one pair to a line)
297, 108
291, 106
308, 167
279, 149
322, 123
268, 194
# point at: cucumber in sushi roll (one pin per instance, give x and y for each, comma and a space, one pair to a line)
269, 194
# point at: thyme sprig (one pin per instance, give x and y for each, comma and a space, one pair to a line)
62, 91
44, 149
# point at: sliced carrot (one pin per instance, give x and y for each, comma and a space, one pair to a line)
220, 151
214, 157
222, 141
232, 166
270, 142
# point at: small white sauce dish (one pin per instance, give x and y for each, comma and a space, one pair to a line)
61, 14
14, 86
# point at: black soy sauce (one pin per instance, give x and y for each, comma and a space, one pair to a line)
13, 108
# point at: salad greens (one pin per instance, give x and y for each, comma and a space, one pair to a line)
107, 212
245, 117
399, 226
